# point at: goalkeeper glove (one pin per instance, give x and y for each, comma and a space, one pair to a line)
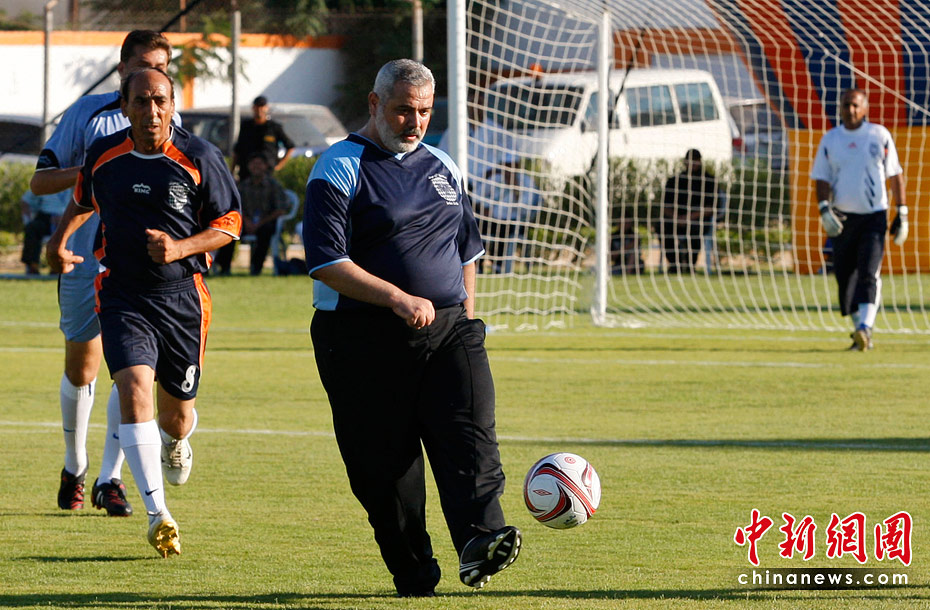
832, 223
899, 226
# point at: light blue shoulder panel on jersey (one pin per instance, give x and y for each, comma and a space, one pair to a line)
67, 142
340, 167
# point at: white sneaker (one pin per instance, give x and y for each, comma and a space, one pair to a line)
164, 534
177, 457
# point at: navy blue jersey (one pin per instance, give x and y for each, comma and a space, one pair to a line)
403, 218
182, 191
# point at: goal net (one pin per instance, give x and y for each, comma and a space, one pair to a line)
575, 192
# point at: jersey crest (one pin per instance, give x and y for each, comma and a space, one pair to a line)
177, 195
445, 190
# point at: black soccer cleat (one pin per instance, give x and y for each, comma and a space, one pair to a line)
71, 491
112, 497
488, 554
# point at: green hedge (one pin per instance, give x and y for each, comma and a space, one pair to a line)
14, 181
293, 176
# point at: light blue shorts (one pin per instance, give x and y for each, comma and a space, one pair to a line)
77, 298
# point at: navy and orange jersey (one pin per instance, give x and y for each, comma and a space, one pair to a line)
182, 191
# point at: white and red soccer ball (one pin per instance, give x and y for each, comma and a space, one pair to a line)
562, 490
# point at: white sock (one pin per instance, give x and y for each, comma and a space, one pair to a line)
112, 463
867, 314
76, 405
142, 447
855, 318
168, 439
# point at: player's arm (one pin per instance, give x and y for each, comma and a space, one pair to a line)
287, 155
288, 144
48, 181
471, 273
60, 259
165, 249
897, 189
347, 278
899, 227
824, 191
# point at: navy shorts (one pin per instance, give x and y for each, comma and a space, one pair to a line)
163, 327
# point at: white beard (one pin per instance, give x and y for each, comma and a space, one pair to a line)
392, 141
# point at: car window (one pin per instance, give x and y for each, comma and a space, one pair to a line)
326, 122
519, 106
20, 138
301, 130
590, 114
214, 129
696, 102
650, 106
755, 117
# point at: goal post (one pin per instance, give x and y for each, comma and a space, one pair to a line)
569, 186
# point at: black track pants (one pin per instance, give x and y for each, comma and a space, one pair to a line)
857, 259
392, 387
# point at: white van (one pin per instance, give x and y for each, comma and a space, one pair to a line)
660, 114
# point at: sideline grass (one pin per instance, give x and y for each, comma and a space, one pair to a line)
689, 430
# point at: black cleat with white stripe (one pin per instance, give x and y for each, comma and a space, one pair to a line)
488, 554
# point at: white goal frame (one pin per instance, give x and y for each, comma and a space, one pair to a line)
762, 264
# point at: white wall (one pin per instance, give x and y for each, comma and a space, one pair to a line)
284, 74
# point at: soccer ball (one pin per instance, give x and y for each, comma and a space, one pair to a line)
562, 490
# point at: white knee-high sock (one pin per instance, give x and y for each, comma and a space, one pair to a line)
167, 438
142, 446
112, 463
76, 405
867, 314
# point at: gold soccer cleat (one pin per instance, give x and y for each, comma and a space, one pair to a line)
163, 534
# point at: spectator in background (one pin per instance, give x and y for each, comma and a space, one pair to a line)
260, 134
263, 202
625, 252
40, 215
689, 204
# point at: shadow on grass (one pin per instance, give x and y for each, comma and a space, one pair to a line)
88, 559
330, 601
919, 445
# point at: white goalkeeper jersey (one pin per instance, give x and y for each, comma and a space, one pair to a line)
857, 163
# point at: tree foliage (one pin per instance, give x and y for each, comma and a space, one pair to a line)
368, 47
23, 21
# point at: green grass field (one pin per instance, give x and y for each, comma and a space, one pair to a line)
689, 430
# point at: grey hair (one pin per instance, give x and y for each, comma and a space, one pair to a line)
401, 71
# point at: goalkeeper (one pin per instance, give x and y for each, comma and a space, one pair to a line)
853, 162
